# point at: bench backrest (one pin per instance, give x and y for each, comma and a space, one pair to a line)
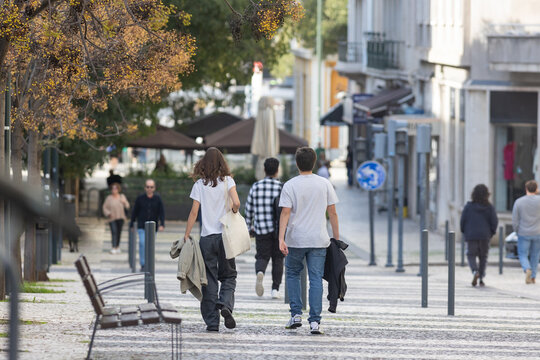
90, 284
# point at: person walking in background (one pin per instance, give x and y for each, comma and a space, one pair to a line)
148, 207
305, 199
478, 224
208, 193
324, 170
349, 166
526, 222
259, 216
113, 178
114, 208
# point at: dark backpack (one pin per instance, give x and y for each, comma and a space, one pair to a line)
276, 213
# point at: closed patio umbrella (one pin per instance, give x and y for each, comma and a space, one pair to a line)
265, 141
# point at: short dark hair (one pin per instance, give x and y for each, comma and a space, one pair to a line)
531, 186
305, 158
271, 166
480, 194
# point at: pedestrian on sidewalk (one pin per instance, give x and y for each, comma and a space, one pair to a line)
526, 222
259, 217
324, 170
114, 208
349, 165
305, 199
212, 175
148, 207
478, 224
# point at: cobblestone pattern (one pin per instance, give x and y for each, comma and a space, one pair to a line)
381, 317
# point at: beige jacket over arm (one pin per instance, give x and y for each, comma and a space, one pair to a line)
191, 268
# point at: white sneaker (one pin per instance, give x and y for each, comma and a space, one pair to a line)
112, 251
259, 288
315, 328
118, 251
294, 322
275, 294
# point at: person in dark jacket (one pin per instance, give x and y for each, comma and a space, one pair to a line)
334, 272
478, 225
148, 207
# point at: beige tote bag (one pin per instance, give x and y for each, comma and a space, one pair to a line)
236, 240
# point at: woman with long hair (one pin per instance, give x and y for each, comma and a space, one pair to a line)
114, 208
212, 190
478, 225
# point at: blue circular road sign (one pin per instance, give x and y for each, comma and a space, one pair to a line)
370, 175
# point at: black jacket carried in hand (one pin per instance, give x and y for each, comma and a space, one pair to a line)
478, 221
334, 272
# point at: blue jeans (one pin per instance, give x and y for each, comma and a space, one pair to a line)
529, 246
141, 246
294, 263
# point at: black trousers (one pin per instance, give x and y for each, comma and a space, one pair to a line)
116, 231
268, 248
478, 249
218, 268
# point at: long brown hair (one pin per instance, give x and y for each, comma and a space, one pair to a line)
211, 167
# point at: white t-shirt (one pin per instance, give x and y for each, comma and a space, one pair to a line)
308, 196
212, 201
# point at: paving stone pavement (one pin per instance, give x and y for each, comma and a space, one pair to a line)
381, 317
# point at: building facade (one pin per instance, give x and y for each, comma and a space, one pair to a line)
474, 69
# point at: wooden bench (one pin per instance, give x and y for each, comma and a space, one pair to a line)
112, 317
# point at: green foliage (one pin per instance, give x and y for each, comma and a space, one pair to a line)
78, 157
243, 175
334, 25
219, 60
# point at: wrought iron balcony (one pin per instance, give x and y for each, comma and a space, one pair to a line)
381, 53
350, 52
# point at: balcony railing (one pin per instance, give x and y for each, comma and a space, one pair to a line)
381, 53
350, 52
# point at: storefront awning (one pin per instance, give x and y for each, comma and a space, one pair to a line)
334, 116
384, 99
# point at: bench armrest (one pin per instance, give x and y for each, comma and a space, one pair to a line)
115, 284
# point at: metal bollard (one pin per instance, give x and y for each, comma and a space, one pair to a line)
451, 272
501, 246
132, 249
462, 250
149, 262
424, 268
446, 229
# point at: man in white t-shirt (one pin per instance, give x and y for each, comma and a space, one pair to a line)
305, 199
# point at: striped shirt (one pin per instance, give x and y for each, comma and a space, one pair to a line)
259, 205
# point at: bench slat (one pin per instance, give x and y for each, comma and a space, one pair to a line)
150, 317
171, 317
147, 307
109, 321
129, 309
167, 307
129, 319
110, 310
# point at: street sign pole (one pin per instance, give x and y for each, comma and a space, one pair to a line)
371, 176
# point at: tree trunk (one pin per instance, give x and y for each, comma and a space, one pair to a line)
16, 167
30, 259
77, 194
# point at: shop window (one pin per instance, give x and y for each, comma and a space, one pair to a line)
515, 158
